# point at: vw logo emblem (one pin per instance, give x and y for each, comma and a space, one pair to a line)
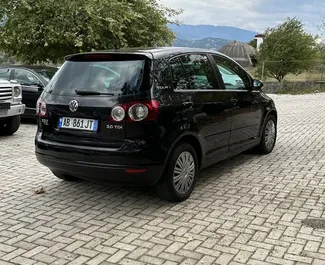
73, 105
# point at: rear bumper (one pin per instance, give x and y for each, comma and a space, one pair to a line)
131, 175
98, 164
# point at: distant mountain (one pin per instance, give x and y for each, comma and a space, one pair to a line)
198, 32
206, 43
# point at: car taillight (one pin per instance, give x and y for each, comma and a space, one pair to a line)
137, 111
118, 113
41, 110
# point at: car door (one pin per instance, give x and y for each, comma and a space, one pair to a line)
246, 116
32, 88
204, 104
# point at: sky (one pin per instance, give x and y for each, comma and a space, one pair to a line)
255, 15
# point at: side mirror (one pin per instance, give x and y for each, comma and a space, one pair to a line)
257, 85
39, 85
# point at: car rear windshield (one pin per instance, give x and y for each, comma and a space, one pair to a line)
104, 76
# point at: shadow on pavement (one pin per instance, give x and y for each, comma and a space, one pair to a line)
124, 195
28, 120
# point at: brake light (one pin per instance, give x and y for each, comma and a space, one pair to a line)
137, 111
97, 56
41, 109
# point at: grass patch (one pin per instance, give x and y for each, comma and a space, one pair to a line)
312, 75
294, 90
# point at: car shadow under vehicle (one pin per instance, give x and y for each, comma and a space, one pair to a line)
25, 120
123, 195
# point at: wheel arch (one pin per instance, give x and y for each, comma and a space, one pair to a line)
266, 114
274, 113
192, 139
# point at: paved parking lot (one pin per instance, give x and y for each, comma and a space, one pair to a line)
248, 210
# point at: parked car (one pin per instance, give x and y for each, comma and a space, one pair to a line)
152, 117
10, 107
33, 79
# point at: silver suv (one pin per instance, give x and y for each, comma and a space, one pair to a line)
10, 107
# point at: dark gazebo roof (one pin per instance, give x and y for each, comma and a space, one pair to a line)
240, 52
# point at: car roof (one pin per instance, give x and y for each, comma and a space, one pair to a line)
31, 68
153, 53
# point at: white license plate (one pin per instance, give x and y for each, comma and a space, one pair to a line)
78, 124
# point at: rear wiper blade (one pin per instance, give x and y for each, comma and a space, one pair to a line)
90, 93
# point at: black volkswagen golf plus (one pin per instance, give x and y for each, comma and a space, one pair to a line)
150, 117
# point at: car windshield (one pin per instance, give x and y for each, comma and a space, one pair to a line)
47, 74
113, 77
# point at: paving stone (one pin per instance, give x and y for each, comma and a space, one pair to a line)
247, 210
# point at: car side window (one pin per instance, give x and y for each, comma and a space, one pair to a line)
192, 71
5, 73
26, 78
162, 73
233, 76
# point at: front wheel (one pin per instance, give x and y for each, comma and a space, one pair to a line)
180, 174
268, 136
10, 125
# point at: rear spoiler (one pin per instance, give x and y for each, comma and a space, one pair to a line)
107, 56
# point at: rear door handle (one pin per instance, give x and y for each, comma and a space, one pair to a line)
233, 100
188, 104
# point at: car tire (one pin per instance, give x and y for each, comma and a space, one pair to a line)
178, 180
65, 177
268, 136
10, 125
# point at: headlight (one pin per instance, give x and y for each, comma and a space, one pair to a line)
17, 91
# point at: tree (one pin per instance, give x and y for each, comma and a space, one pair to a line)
321, 28
287, 49
47, 30
4, 59
253, 43
321, 50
